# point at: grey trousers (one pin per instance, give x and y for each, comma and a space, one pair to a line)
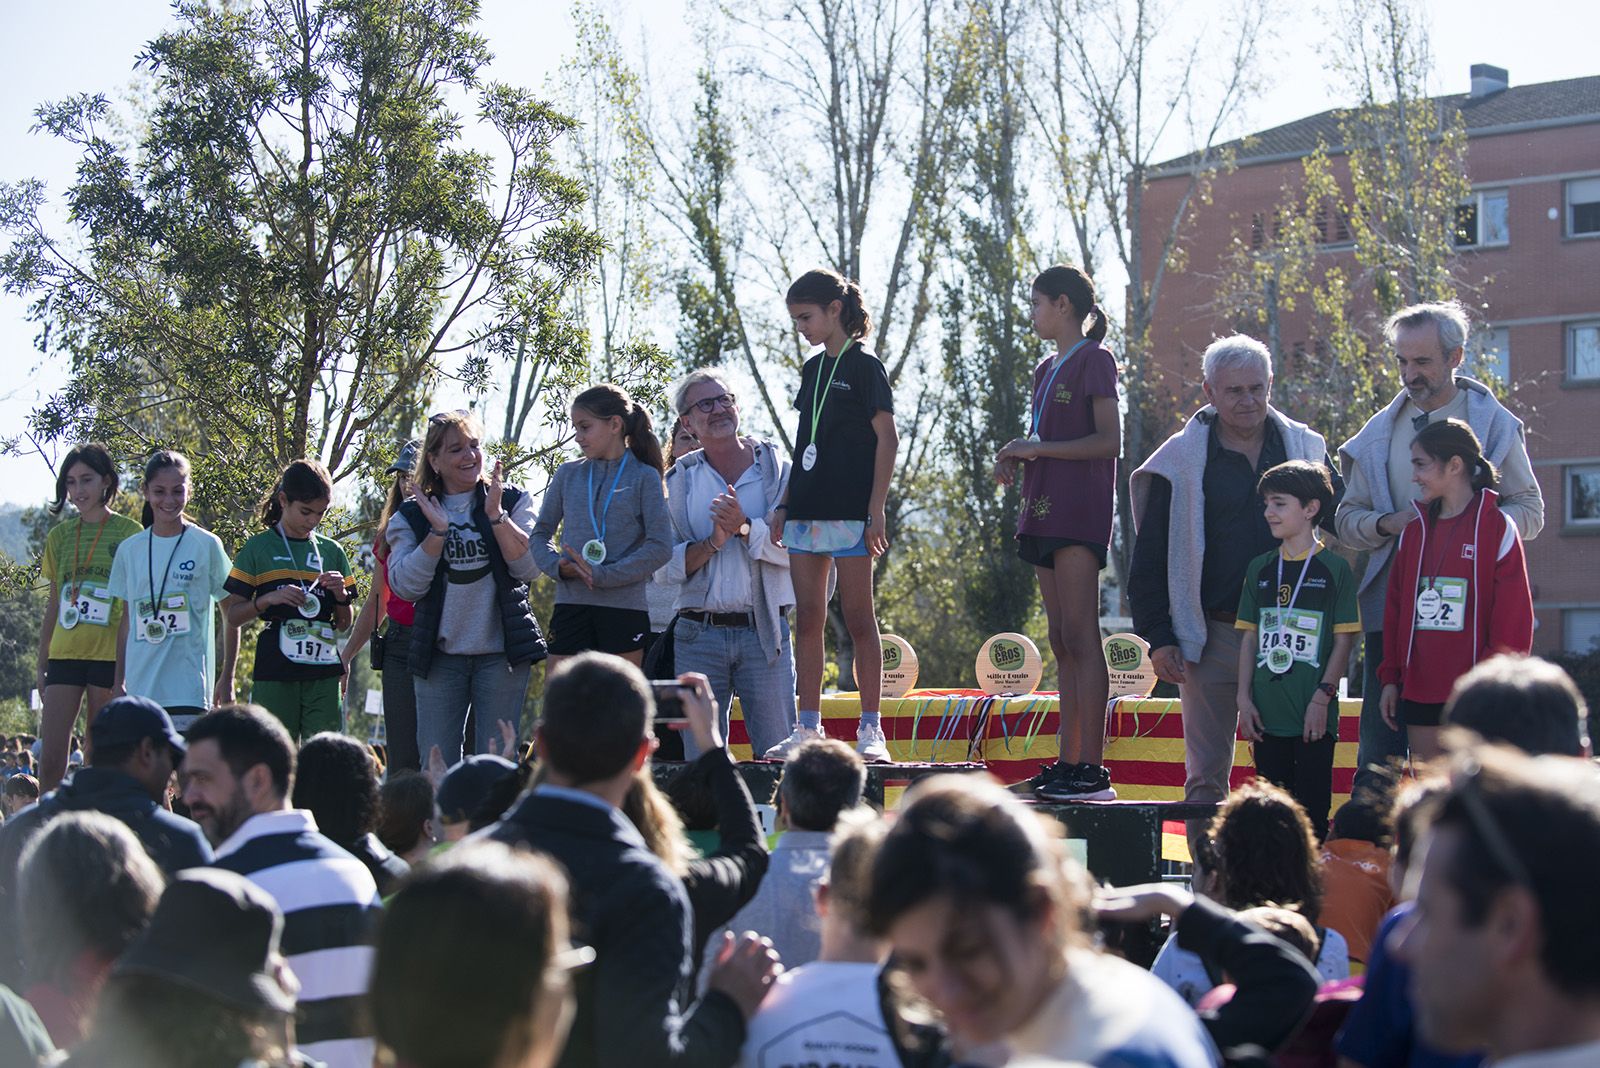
1210, 718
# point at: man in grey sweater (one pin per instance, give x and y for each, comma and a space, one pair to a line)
1429, 343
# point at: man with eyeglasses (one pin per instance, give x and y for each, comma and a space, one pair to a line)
1503, 943
733, 578
1429, 344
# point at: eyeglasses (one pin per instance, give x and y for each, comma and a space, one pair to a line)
445, 417
711, 404
1465, 781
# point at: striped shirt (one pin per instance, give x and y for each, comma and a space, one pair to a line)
330, 907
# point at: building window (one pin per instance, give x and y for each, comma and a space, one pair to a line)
1489, 355
1583, 207
1583, 495
1583, 351
1481, 221
1580, 630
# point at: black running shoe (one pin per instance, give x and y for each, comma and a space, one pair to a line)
1078, 782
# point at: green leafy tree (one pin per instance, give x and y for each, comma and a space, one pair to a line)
300, 239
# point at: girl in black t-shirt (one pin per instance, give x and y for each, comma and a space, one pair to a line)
832, 512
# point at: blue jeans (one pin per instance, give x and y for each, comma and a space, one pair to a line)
1379, 744
733, 659
488, 683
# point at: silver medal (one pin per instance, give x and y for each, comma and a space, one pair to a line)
1279, 660
594, 551
155, 631
808, 459
311, 607
1429, 601
69, 616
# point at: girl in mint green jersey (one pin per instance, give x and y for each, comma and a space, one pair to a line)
169, 577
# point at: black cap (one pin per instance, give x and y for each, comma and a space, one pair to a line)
128, 719
217, 933
465, 787
406, 462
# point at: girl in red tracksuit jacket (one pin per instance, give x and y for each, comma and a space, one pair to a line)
1458, 587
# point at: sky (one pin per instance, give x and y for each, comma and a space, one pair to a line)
50, 56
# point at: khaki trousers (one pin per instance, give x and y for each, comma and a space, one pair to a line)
1210, 718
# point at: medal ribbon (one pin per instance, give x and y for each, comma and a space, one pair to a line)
312, 553
599, 525
1283, 612
150, 563
1041, 399
819, 398
77, 543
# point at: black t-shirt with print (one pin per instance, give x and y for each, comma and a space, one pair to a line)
839, 486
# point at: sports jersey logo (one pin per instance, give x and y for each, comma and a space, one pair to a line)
1284, 593
466, 554
187, 565
1062, 395
1469, 552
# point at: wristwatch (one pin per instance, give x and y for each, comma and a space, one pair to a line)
744, 529
1328, 689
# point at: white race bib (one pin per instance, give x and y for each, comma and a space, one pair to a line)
1443, 606
92, 606
1299, 631
172, 617
309, 643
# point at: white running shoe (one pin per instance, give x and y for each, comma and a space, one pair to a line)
797, 737
872, 745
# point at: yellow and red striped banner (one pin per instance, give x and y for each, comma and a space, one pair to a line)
1014, 735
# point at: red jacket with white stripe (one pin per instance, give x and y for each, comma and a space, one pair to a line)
1474, 562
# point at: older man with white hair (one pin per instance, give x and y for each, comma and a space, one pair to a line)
734, 593
1200, 522
1428, 343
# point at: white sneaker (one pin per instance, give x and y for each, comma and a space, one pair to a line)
797, 737
872, 745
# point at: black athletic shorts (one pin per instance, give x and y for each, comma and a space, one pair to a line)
1041, 552
1418, 714
99, 673
577, 628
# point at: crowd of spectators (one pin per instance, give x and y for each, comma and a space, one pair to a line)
561, 909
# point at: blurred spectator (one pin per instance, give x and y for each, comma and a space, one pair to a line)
1503, 943
985, 912
21, 790
23, 1038
405, 816
593, 738
336, 780
1380, 1031
832, 1005
1262, 955
1522, 701
237, 779
720, 883
204, 987
821, 780
474, 794
1355, 869
1266, 854
473, 962
135, 751
86, 890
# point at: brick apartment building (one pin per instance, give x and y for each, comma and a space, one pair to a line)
1531, 229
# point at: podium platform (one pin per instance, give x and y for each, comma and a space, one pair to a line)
1012, 735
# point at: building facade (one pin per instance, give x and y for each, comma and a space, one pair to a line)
1529, 237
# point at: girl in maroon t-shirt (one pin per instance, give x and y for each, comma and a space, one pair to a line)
1064, 521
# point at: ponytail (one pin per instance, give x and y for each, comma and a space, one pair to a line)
607, 401
1063, 280
1450, 438
159, 461
302, 480
822, 287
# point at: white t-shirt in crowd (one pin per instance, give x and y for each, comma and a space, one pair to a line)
825, 1012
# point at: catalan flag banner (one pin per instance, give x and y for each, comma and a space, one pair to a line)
1013, 735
